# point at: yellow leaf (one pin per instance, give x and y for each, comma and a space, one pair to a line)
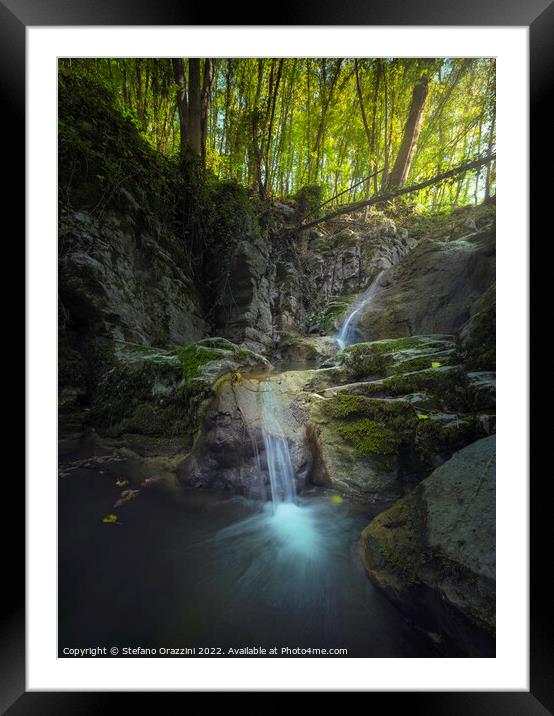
421, 416
110, 519
337, 499
435, 364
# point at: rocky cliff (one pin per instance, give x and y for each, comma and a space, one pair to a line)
437, 287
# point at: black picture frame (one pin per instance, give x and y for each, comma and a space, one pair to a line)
538, 15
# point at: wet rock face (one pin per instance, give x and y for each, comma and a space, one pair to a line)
370, 427
244, 314
229, 452
434, 289
389, 412
120, 279
477, 337
315, 280
433, 553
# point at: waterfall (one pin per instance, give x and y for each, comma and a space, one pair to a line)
346, 332
279, 464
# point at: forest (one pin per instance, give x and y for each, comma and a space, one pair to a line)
355, 128
277, 356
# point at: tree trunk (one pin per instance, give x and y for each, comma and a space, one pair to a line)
412, 129
182, 104
272, 103
195, 108
205, 104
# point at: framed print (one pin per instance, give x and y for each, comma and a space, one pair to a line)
262, 341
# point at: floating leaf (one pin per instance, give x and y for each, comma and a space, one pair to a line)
121, 483
110, 519
421, 416
337, 499
435, 364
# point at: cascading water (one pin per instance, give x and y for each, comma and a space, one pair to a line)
279, 464
347, 331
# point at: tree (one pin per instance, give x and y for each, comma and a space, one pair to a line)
412, 129
193, 104
277, 125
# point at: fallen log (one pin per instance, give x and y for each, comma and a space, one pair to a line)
356, 206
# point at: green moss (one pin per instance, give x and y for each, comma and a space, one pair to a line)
448, 387
362, 361
372, 426
290, 340
369, 437
394, 345
307, 199
420, 363
193, 357
412, 365
435, 437
332, 313
395, 541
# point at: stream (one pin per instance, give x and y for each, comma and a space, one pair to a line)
219, 572
211, 571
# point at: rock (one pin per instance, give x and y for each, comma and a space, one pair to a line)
163, 392
389, 412
433, 289
229, 452
244, 315
314, 284
433, 553
106, 281
477, 337
357, 458
126, 496
370, 427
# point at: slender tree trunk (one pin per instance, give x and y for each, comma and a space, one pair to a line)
205, 104
257, 155
273, 102
195, 108
412, 129
182, 103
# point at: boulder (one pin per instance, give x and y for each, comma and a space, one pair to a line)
162, 393
388, 412
229, 452
433, 552
433, 289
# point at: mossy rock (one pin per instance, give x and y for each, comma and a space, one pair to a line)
163, 392
433, 552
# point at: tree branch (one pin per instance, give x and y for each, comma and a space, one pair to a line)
349, 208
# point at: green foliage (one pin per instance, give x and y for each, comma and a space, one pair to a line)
234, 214
289, 126
101, 153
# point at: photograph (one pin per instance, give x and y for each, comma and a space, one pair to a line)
276, 357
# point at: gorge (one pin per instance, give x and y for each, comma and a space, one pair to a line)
269, 435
